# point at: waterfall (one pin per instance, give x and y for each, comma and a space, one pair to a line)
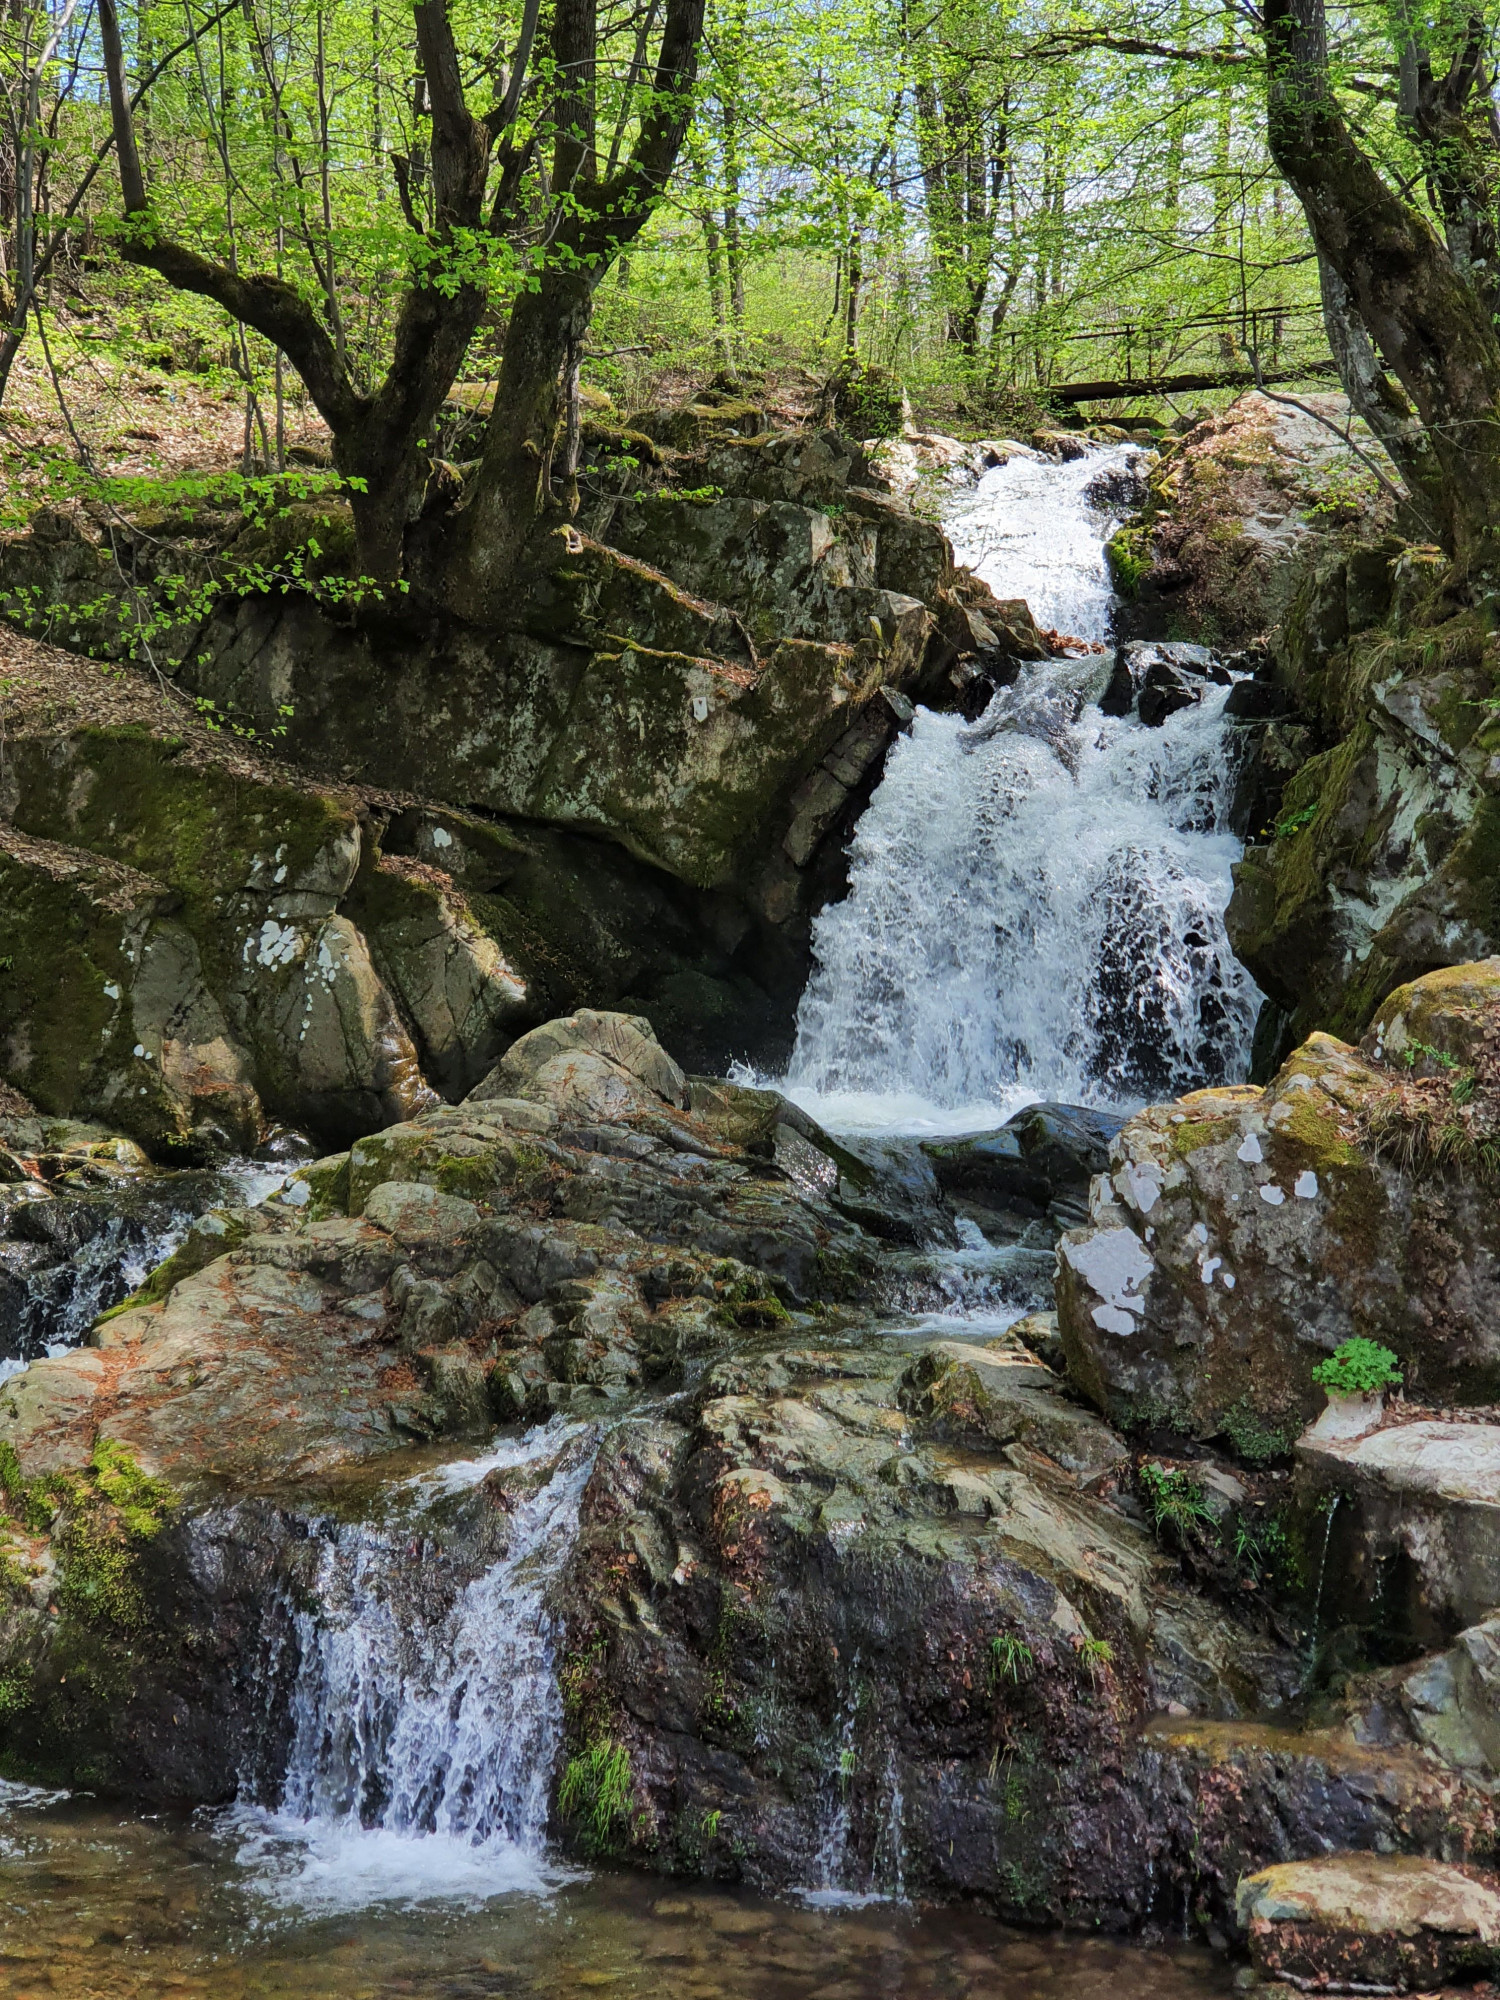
1036, 900
426, 1723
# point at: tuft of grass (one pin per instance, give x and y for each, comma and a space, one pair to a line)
597, 1793
1097, 1655
1010, 1659
1176, 1504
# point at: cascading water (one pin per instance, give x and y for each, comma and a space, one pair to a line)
1036, 901
423, 1744
69, 1254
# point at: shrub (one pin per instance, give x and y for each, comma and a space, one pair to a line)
1358, 1368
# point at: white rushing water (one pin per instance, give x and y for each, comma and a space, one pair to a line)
423, 1744
1036, 902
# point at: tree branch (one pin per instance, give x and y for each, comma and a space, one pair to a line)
272, 307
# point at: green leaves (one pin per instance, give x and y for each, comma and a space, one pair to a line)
1358, 1367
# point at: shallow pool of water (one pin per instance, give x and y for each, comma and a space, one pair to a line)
95, 1902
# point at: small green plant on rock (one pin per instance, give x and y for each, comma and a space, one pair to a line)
1358, 1367
1096, 1655
1295, 822
1010, 1658
1175, 1502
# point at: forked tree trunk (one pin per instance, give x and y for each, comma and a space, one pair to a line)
380, 441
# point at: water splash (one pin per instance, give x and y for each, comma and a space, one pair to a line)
81, 1253
424, 1742
836, 1815
1332, 1508
1036, 901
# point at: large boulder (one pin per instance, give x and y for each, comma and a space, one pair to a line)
1242, 1234
1371, 1923
590, 1066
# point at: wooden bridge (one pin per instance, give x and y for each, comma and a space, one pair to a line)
1154, 353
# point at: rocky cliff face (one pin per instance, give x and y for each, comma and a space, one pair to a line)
1383, 859
1230, 508
635, 793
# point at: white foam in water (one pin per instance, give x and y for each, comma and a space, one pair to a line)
1036, 903
316, 1868
423, 1745
458, 1475
1027, 529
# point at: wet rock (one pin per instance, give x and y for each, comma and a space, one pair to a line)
977, 1395
1371, 1923
1257, 701
1451, 1701
1243, 1233
1164, 690
866, 1606
1038, 1164
1160, 677
1426, 1492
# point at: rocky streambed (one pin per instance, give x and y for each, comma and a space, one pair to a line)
810, 1599
590, 1460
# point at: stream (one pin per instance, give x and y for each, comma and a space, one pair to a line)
1053, 932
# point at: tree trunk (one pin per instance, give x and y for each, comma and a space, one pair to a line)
1430, 329
513, 498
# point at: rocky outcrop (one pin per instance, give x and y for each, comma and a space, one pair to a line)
635, 792
1242, 1234
241, 946
81, 1210
1231, 504
847, 1603
1379, 861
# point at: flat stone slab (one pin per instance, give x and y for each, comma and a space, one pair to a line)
1432, 1489
1448, 1461
1381, 1922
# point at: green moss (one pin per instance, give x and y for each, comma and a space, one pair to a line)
328, 1180
1196, 1132
1129, 553
62, 1685
105, 1518
1254, 1439
1312, 1121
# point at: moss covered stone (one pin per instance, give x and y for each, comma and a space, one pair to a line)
1228, 1255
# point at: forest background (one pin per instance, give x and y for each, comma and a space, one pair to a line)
992, 199
983, 198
